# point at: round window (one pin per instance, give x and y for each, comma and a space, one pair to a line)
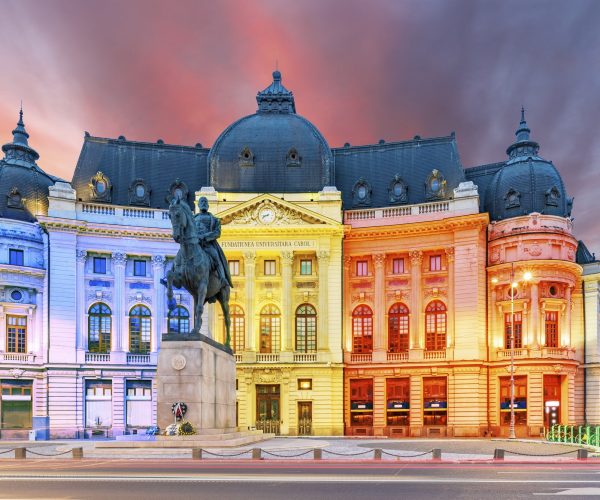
435, 185
178, 193
553, 290
513, 291
100, 187
140, 190
16, 295
398, 188
362, 192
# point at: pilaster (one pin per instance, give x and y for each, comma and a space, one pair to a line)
81, 342
416, 305
379, 344
322, 333
566, 336
249, 271
451, 298
159, 323
119, 260
287, 334
535, 315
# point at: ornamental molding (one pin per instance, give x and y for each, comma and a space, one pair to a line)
362, 297
158, 261
267, 376
398, 295
100, 187
98, 295
435, 292
139, 297
16, 372
31, 276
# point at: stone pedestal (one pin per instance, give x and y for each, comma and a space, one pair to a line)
199, 372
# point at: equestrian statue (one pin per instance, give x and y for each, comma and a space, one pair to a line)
200, 265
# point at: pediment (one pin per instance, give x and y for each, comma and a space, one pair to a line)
269, 211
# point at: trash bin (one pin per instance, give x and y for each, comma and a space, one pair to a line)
32, 435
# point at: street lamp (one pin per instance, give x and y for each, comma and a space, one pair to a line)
513, 290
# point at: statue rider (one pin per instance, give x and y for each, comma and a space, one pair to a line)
208, 228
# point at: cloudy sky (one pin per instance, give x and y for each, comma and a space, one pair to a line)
183, 70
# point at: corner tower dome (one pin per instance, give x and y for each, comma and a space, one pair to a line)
526, 183
273, 150
23, 185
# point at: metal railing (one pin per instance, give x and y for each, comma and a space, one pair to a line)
574, 434
269, 426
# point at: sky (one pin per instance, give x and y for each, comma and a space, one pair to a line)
183, 70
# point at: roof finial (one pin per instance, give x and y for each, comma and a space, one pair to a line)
21, 115
276, 65
522, 114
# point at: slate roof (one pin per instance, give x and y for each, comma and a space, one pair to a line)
482, 175
412, 160
123, 162
583, 255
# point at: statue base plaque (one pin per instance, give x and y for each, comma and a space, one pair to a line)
199, 372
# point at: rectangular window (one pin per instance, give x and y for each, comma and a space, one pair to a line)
234, 267
98, 403
435, 401
306, 267
139, 403
518, 330
16, 404
15, 257
100, 265
398, 266
16, 334
520, 400
398, 401
362, 268
139, 268
435, 262
551, 328
270, 268
361, 402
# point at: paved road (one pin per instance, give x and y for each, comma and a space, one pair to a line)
160, 479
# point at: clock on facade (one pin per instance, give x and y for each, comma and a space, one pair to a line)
266, 215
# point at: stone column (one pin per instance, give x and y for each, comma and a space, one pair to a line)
287, 332
322, 330
416, 306
249, 270
81, 340
542, 323
120, 314
347, 314
32, 329
2, 329
450, 338
535, 316
379, 335
493, 331
158, 325
566, 336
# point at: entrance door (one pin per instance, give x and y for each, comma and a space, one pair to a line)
267, 408
551, 400
305, 418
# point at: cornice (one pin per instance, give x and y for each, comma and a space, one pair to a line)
23, 271
112, 230
532, 265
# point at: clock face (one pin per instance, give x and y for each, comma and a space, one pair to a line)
266, 215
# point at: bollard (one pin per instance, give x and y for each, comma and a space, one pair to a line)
317, 453
197, 453
582, 454
21, 453
498, 454
256, 452
436, 454
77, 453
377, 454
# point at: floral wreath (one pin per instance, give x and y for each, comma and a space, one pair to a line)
179, 409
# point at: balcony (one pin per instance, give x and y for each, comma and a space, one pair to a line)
271, 357
541, 352
361, 357
97, 357
434, 354
17, 357
237, 357
138, 359
397, 356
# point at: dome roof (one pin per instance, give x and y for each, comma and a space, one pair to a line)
273, 150
526, 183
24, 185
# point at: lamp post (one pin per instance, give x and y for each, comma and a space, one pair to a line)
513, 291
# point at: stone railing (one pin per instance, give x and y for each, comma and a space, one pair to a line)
434, 354
305, 357
237, 357
97, 357
17, 357
540, 352
97, 212
518, 353
138, 359
272, 357
361, 357
397, 356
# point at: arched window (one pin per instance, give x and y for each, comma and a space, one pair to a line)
179, 320
99, 326
306, 328
140, 321
238, 328
270, 329
398, 328
435, 326
362, 329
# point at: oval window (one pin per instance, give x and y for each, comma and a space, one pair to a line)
140, 190
553, 291
100, 187
362, 192
16, 295
398, 188
435, 185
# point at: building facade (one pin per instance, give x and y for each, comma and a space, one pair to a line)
378, 289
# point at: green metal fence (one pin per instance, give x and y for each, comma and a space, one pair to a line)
574, 434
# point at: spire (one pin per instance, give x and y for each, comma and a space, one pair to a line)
19, 151
276, 98
523, 146
20, 135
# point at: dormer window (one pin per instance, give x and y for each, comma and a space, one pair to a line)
15, 200
139, 193
552, 197
293, 158
246, 157
361, 193
100, 187
177, 190
435, 186
398, 190
512, 199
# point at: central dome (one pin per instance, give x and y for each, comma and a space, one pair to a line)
273, 150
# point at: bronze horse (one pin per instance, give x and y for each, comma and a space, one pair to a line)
193, 269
